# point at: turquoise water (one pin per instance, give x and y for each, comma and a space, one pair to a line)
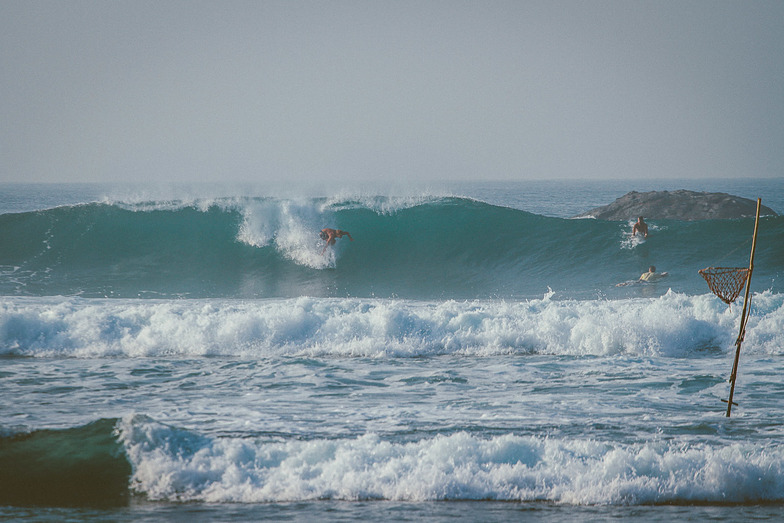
469, 355
412, 248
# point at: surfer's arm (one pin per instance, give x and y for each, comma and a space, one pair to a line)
329, 241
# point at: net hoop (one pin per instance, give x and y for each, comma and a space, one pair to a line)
725, 282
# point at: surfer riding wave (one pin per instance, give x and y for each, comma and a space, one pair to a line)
330, 235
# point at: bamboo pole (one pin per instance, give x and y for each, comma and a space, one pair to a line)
744, 315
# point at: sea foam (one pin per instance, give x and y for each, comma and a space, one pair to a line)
673, 325
178, 465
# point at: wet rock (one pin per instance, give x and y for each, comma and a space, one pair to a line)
678, 205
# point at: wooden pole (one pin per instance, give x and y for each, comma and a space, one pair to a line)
743, 315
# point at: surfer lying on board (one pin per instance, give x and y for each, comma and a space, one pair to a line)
329, 236
652, 275
646, 277
640, 227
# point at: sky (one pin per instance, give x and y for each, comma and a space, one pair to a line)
291, 91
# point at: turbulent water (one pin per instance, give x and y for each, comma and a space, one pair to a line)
469, 345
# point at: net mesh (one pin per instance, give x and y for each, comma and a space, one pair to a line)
725, 282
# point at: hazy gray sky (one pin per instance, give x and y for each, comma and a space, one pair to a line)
390, 90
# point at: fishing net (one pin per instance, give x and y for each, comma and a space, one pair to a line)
725, 282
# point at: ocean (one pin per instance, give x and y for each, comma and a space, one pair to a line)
186, 353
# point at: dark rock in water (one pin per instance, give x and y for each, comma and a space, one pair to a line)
678, 205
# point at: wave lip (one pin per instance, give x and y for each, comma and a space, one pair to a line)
77, 467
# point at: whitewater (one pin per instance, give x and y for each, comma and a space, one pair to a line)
188, 352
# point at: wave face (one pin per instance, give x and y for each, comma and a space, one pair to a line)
81, 466
417, 248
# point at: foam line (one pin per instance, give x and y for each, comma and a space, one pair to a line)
673, 325
177, 465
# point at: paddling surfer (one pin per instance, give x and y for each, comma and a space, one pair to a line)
652, 275
646, 277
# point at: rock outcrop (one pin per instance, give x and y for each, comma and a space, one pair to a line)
678, 205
